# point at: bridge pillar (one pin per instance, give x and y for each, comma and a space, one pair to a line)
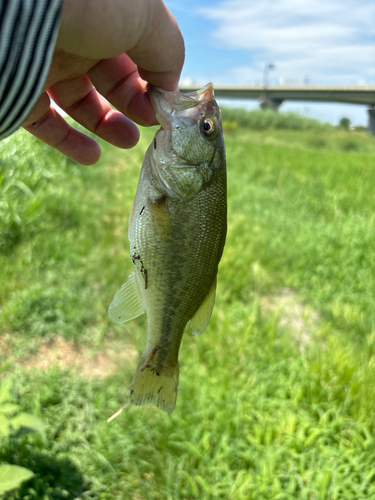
371, 120
269, 103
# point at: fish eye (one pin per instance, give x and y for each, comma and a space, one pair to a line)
208, 129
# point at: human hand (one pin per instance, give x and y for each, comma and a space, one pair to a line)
107, 50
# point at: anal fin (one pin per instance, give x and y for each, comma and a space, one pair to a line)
127, 303
202, 317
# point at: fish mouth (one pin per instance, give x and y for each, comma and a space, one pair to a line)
166, 103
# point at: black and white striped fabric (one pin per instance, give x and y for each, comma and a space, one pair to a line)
28, 33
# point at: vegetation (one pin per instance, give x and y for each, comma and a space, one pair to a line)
261, 119
276, 399
14, 424
344, 122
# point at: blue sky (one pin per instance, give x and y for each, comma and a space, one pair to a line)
325, 42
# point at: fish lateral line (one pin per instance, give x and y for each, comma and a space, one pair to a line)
150, 358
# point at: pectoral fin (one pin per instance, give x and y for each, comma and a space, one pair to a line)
127, 303
202, 317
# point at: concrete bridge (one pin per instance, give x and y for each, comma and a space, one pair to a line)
272, 96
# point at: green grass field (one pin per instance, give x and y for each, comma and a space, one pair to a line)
276, 399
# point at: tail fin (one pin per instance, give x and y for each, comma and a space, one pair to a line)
155, 384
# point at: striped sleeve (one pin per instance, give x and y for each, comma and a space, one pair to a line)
28, 33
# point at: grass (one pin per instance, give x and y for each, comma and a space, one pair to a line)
276, 399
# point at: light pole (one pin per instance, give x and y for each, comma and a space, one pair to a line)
263, 99
267, 67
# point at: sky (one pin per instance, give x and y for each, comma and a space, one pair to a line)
319, 41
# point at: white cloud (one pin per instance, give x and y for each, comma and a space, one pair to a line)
328, 41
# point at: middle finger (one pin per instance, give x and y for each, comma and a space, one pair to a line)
79, 99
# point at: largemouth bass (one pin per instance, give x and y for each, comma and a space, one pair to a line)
177, 230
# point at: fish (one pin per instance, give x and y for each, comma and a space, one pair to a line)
177, 232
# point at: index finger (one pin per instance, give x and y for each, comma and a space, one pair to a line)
117, 79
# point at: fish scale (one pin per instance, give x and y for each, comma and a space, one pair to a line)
177, 232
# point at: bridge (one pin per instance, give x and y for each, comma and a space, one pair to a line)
272, 96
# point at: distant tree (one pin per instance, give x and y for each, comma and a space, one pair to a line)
344, 122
